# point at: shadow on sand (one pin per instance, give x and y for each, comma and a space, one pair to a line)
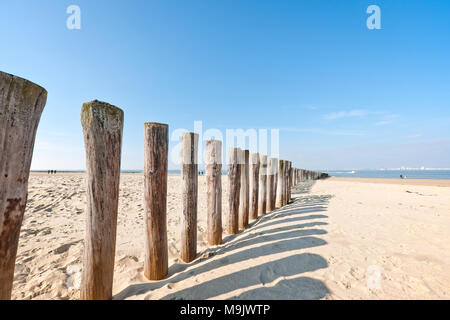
274, 233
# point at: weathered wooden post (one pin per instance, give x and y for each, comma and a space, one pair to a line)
289, 181
189, 174
270, 205
234, 183
244, 192
156, 137
254, 185
262, 196
213, 161
280, 185
286, 182
21, 106
275, 182
102, 128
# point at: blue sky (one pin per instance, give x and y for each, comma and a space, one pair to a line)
343, 96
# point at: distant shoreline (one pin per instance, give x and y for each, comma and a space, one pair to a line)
435, 181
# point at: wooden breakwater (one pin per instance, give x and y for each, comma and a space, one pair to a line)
257, 185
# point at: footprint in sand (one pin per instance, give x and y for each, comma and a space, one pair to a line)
267, 276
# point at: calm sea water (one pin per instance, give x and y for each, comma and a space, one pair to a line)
410, 174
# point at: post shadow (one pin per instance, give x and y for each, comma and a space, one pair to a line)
267, 240
262, 274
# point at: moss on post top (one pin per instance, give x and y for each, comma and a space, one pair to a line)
104, 113
5, 75
155, 124
29, 91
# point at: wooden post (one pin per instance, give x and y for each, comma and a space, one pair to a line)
244, 192
270, 206
189, 174
21, 106
288, 181
155, 198
280, 185
262, 196
102, 127
254, 185
234, 183
294, 176
275, 183
291, 179
213, 161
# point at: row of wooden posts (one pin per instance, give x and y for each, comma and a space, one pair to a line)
257, 185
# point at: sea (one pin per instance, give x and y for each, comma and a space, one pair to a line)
443, 174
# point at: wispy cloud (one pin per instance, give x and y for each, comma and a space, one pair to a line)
383, 122
346, 114
325, 132
415, 136
388, 118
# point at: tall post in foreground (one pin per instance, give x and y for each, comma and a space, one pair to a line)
262, 196
21, 106
213, 161
155, 199
254, 185
102, 127
280, 185
244, 193
189, 174
234, 187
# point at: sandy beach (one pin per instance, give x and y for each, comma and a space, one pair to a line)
338, 239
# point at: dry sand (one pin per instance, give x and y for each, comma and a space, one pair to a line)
338, 240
